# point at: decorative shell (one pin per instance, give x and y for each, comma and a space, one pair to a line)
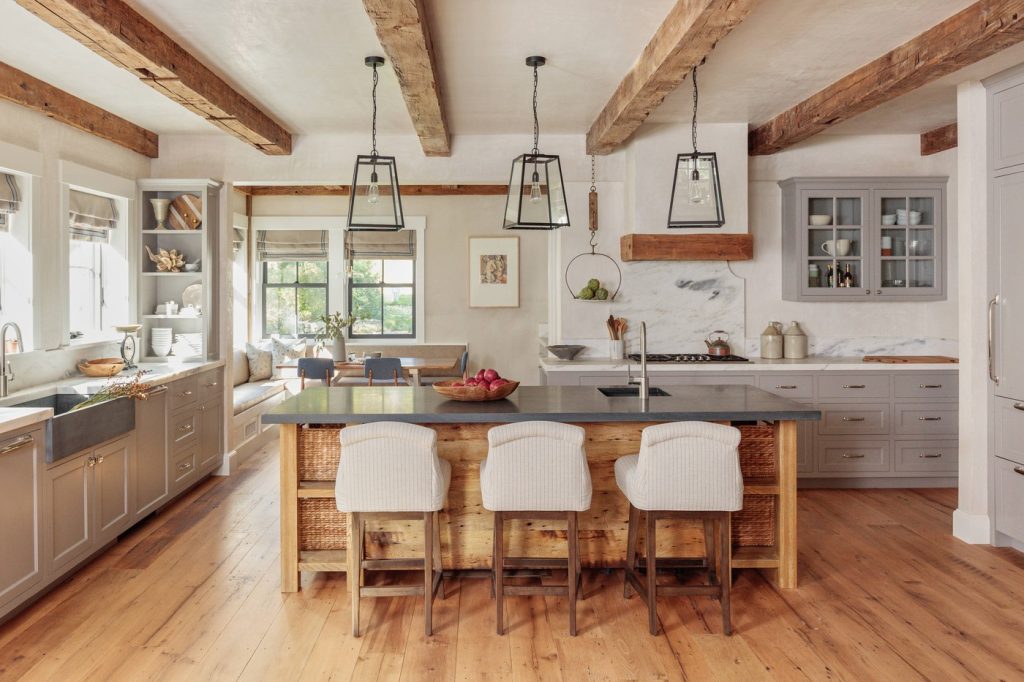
167, 261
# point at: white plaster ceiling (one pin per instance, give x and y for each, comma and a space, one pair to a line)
302, 61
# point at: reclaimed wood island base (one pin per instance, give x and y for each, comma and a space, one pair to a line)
314, 533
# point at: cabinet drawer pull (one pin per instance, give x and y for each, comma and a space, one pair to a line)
1018, 406
853, 455
930, 455
929, 419
854, 386
185, 394
1018, 470
184, 428
212, 384
184, 466
16, 443
787, 387
930, 386
853, 419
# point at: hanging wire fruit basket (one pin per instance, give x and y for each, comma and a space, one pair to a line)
593, 291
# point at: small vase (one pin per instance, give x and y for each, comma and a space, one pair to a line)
160, 207
616, 349
338, 350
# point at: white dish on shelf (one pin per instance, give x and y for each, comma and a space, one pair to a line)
819, 219
192, 296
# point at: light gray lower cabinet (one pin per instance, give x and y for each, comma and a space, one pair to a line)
112, 488
152, 477
1008, 469
211, 430
21, 486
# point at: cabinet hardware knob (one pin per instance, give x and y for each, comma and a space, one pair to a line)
879, 292
19, 442
99, 460
1018, 470
853, 419
868, 292
1018, 406
929, 419
930, 386
854, 386
787, 387
92, 461
930, 455
853, 455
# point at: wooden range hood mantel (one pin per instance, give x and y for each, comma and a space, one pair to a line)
639, 247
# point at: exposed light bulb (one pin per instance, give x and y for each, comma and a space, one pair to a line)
535, 188
700, 187
373, 193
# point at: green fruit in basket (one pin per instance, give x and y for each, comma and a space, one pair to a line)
594, 284
586, 293
601, 294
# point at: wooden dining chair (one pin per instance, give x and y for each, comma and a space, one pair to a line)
383, 367
315, 367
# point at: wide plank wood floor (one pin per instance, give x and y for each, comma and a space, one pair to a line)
886, 594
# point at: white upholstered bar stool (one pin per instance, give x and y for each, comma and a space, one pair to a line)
391, 470
535, 470
685, 470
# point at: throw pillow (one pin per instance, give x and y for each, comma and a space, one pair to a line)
286, 351
261, 362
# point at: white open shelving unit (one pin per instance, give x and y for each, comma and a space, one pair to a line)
156, 288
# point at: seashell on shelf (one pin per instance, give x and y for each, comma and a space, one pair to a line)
167, 261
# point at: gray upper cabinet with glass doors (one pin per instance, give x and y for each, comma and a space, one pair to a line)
864, 239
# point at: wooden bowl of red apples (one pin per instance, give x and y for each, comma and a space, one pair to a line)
486, 385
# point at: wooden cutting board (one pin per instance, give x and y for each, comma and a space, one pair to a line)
186, 212
911, 359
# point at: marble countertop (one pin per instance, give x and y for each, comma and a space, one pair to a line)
423, 405
14, 418
820, 363
156, 372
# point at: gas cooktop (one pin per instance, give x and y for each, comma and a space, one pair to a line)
687, 357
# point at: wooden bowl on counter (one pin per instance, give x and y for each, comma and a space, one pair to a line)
474, 394
101, 367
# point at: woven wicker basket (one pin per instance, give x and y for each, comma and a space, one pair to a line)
757, 451
319, 453
754, 525
321, 525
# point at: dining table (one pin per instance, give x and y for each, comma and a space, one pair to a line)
412, 366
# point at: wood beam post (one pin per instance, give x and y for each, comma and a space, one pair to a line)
122, 36
981, 30
404, 34
19, 87
688, 34
938, 140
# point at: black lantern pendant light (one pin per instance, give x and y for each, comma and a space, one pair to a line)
696, 190
374, 202
536, 193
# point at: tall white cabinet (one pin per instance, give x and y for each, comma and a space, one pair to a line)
1006, 306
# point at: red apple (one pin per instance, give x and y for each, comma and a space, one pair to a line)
480, 374
471, 382
491, 375
499, 382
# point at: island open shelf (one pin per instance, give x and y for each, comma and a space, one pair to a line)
314, 534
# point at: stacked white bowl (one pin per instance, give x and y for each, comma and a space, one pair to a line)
160, 339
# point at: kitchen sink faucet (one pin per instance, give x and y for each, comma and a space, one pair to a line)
644, 381
6, 373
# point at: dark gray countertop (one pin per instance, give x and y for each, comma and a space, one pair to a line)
423, 405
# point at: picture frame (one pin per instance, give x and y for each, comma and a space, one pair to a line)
494, 272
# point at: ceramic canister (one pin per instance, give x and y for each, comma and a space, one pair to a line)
771, 343
795, 342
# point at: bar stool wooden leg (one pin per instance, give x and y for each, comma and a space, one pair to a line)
631, 538
355, 576
709, 549
499, 569
428, 572
652, 573
437, 552
725, 577
573, 536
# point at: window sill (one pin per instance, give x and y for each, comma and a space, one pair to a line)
90, 341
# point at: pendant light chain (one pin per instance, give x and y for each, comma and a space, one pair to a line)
593, 174
373, 129
693, 131
536, 120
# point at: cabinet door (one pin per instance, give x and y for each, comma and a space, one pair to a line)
834, 229
1008, 127
69, 511
111, 489
211, 426
909, 248
21, 457
151, 465
1008, 207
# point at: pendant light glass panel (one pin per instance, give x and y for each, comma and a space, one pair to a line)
696, 192
375, 202
536, 195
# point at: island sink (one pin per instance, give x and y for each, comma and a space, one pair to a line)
629, 391
73, 431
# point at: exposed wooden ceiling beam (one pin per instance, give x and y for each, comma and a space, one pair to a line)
402, 28
115, 31
688, 34
19, 87
938, 140
343, 190
973, 34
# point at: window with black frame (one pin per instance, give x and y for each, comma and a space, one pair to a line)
295, 283
382, 284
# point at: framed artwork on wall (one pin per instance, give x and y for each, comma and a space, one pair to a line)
494, 272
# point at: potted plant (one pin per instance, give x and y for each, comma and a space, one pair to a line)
334, 332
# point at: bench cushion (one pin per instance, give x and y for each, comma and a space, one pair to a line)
248, 395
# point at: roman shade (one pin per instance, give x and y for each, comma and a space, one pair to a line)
288, 245
91, 217
380, 245
10, 199
237, 239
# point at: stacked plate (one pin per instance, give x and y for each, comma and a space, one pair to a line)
160, 339
188, 345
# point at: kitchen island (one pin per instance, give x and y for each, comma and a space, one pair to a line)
313, 532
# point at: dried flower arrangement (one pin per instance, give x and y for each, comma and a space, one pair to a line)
124, 387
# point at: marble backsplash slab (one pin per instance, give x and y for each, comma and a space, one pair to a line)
45, 366
869, 345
